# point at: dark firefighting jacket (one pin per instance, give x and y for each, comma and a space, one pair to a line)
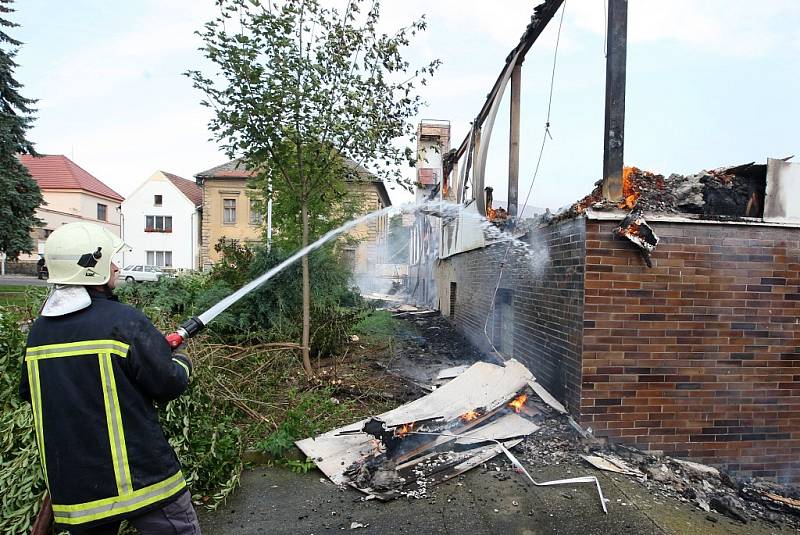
92, 378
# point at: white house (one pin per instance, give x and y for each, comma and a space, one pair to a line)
161, 221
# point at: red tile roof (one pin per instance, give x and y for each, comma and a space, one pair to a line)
192, 191
59, 172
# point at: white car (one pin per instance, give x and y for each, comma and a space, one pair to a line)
140, 273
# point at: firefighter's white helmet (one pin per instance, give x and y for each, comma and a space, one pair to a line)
80, 254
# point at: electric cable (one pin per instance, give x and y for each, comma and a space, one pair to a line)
545, 135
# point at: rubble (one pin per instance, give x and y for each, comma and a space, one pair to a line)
727, 192
706, 487
482, 412
555, 443
612, 463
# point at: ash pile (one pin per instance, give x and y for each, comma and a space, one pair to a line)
483, 412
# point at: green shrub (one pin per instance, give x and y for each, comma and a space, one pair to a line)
170, 296
208, 443
310, 412
273, 312
20, 472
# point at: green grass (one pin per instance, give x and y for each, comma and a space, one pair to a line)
22, 296
377, 327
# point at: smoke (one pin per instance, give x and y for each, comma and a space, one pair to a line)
401, 264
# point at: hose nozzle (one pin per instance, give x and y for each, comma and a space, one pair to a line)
187, 330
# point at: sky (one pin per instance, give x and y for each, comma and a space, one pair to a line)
709, 83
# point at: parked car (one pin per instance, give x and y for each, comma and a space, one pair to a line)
140, 273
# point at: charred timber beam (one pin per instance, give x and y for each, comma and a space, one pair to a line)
542, 15
614, 134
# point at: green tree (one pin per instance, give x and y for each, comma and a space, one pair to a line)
329, 206
19, 193
298, 88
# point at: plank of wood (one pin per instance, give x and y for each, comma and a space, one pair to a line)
450, 373
504, 427
548, 398
483, 385
436, 441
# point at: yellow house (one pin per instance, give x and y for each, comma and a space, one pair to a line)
229, 211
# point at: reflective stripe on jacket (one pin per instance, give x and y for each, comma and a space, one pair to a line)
92, 378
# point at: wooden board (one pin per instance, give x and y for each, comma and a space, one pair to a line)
450, 373
507, 426
545, 396
483, 385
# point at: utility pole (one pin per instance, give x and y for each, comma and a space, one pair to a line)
513, 142
614, 138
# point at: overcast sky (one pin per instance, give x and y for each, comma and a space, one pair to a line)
710, 83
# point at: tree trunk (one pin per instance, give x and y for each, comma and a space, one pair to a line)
306, 295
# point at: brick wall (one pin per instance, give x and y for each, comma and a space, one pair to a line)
544, 284
700, 355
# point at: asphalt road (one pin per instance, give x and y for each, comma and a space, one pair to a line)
482, 501
21, 280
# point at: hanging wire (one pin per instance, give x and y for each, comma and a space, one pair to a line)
605, 28
545, 135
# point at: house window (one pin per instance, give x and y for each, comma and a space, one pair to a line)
256, 217
158, 200
229, 211
159, 258
158, 223
102, 212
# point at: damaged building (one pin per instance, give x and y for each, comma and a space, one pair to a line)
662, 311
696, 356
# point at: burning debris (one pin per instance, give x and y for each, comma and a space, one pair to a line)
497, 216
636, 229
726, 192
481, 413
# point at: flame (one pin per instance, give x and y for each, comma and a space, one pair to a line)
629, 191
518, 402
469, 416
496, 214
632, 229
404, 429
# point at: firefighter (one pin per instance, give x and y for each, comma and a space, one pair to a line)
92, 371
